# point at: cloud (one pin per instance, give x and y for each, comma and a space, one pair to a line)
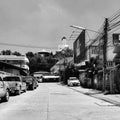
14, 12
37, 22
45, 22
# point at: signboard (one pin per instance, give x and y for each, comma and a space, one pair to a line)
79, 48
116, 39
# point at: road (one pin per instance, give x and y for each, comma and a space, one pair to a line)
52, 101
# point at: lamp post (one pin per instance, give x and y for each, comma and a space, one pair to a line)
105, 35
82, 28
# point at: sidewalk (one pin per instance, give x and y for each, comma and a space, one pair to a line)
111, 98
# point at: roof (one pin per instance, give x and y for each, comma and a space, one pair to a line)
61, 62
56, 67
9, 66
14, 57
44, 51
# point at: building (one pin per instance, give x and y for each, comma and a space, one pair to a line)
19, 61
6, 68
61, 64
44, 54
93, 51
79, 48
64, 44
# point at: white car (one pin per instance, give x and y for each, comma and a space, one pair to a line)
73, 81
16, 84
4, 91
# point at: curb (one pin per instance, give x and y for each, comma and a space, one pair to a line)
114, 102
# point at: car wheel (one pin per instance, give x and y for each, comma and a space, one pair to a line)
25, 89
32, 87
18, 92
6, 97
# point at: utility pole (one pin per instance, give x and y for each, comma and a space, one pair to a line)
105, 40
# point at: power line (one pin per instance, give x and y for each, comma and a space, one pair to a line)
117, 24
111, 18
27, 46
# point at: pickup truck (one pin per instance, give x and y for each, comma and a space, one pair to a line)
4, 91
16, 84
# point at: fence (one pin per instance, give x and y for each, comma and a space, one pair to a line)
98, 80
112, 83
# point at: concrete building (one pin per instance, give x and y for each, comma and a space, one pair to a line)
12, 69
19, 61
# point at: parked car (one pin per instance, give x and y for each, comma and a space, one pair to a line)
73, 81
30, 82
4, 91
16, 84
39, 75
39, 79
36, 82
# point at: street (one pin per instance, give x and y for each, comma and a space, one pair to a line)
52, 101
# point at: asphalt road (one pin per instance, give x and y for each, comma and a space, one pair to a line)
52, 101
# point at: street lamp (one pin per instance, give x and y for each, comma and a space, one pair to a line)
82, 28
78, 27
104, 47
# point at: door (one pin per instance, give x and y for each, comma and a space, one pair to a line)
23, 82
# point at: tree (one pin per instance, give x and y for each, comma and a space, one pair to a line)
16, 53
69, 52
6, 52
64, 53
30, 54
3, 52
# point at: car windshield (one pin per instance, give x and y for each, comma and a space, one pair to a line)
11, 79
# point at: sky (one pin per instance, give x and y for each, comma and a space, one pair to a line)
43, 23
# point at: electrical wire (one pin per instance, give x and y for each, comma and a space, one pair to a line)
114, 25
112, 17
27, 46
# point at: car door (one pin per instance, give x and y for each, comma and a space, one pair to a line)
23, 84
2, 90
